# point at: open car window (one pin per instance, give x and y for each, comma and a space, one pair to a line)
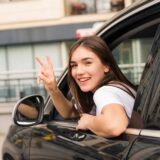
131, 51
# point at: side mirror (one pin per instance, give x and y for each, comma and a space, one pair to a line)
28, 111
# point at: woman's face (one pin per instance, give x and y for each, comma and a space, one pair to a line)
87, 69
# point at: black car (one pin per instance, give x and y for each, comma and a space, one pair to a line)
133, 34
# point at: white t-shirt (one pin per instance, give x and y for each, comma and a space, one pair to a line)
110, 94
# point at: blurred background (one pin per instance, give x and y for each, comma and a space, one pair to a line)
48, 27
45, 27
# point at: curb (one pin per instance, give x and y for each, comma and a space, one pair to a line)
4, 113
6, 108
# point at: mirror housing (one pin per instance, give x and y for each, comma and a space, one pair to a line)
28, 111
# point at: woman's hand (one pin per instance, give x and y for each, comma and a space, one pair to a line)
112, 121
62, 104
46, 74
84, 121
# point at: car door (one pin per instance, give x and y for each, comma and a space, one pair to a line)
60, 140
147, 108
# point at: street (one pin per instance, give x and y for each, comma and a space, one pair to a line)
5, 121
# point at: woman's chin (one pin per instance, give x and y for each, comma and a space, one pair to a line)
85, 89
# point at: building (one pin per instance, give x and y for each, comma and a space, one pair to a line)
43, 27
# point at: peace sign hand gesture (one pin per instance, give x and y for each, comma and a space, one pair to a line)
46, 74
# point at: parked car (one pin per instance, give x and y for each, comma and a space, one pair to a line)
135, 35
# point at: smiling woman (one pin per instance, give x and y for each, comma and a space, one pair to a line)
98, 87
87, 69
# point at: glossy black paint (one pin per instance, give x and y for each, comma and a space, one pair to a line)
145, 148
56, 138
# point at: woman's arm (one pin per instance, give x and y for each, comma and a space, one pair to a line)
63, 105
28, 111
111, 122
46, 74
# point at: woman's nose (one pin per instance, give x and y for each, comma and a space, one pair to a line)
80, 70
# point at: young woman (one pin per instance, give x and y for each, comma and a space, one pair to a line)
103, 97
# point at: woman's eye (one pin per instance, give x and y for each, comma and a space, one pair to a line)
88, 63
73, 65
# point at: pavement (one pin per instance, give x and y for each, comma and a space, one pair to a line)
5, 116
7, 107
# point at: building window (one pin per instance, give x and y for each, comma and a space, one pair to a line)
78, 7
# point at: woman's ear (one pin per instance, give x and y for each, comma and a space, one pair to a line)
106, 68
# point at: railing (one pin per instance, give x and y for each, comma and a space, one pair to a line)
14, 85
132, 71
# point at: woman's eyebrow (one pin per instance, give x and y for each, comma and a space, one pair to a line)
87, 58
83, 59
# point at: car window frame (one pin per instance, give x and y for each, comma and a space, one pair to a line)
140, 103
128, 19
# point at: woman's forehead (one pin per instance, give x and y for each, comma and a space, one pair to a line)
83, 52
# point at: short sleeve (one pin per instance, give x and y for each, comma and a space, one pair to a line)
108, 95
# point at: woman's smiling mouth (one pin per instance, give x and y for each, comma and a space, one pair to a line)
83, 80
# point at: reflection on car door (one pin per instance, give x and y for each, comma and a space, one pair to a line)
57, 141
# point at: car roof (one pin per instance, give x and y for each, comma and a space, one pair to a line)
126, 13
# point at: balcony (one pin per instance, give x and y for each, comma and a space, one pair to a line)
28, 13
81, 7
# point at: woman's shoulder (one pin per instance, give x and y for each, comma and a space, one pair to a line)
116, 89
108, 88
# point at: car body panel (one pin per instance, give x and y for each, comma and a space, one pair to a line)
144, 148
62, 142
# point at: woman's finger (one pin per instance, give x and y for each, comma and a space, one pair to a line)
39, 61
39, 77
38, 80
77, 127
42, 77
49, 61
50, 65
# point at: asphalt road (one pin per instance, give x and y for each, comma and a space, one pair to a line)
5, 122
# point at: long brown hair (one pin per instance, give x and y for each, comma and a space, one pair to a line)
84, 100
